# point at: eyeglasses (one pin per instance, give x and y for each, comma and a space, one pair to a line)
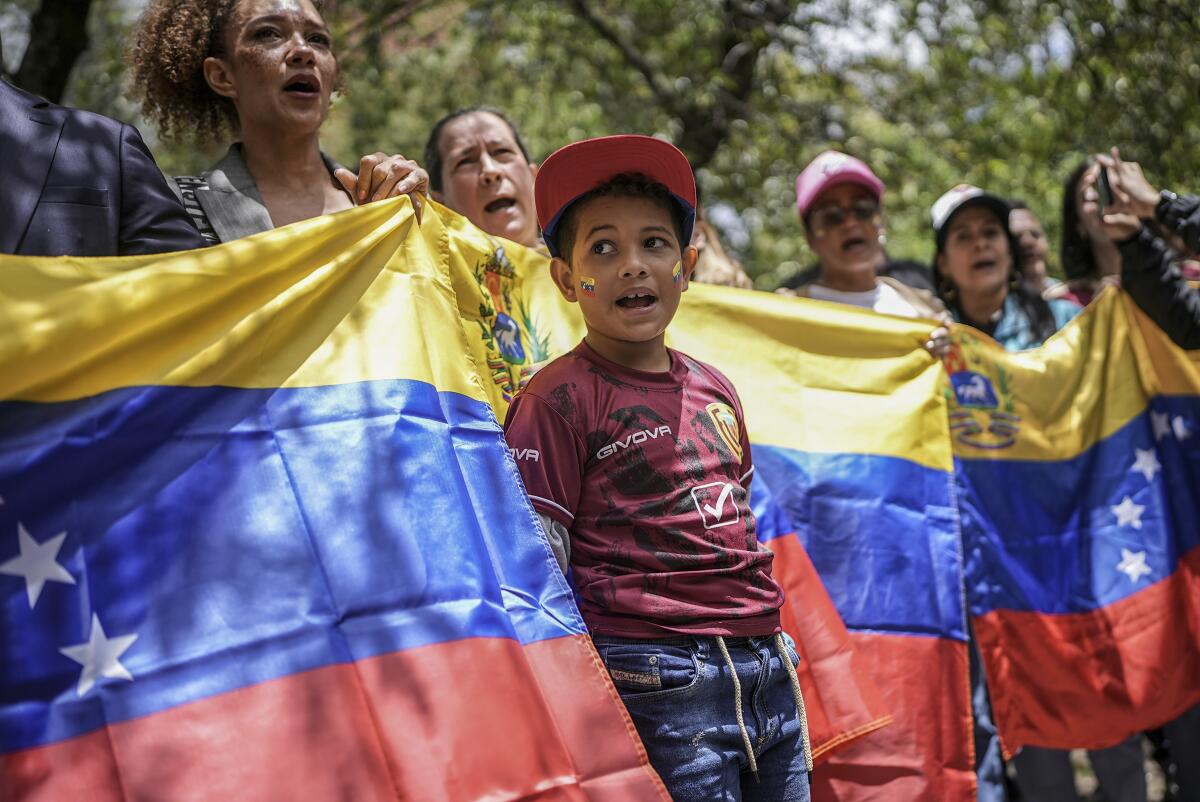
826, 218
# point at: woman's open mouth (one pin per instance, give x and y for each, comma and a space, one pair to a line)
500, 204
302, 87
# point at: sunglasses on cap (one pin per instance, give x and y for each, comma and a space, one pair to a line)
825, 218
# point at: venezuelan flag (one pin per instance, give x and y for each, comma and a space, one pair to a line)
848, 424
1079, 485
260, 538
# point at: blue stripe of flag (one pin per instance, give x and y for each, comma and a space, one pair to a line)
1069, 536
882, 533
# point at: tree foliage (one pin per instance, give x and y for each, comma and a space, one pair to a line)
1006, 94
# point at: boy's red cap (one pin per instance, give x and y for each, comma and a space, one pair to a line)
580, 167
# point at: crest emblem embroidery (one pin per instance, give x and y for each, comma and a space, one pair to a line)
506, 326
726, 424
980, 398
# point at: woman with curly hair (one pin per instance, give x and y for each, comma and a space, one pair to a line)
265, 70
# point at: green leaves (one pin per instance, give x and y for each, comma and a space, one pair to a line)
1006, 94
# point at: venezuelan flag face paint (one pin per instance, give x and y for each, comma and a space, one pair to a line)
588, 285
677, 273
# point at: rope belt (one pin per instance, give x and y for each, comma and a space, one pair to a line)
781, 648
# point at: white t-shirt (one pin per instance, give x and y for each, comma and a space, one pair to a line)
883, 299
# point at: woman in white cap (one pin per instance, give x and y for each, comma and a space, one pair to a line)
976, 273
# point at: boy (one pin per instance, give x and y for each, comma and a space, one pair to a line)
637, 462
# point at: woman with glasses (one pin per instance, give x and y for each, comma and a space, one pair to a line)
840, 204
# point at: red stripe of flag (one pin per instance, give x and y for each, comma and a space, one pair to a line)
842, 702
482, 718
927, 752
1144, 665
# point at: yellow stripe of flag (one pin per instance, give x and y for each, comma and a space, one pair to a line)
331, 300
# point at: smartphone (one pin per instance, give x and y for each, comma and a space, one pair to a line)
1104, 196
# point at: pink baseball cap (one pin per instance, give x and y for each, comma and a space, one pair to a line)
830, 169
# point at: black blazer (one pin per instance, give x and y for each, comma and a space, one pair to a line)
81, 184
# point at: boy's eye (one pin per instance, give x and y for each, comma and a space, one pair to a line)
603, 248
655, 242
464, 161
266, 33
319, 39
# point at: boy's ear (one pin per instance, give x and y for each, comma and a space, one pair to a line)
688, 262
561, 272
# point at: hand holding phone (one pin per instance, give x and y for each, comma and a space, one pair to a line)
1104, 193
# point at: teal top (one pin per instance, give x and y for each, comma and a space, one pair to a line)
1014, 330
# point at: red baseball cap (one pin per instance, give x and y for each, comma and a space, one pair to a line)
572, 171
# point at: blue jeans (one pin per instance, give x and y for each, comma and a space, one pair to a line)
680, 695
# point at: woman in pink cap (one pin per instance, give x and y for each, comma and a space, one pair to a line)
840, 203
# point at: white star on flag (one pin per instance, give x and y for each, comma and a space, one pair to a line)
1128, 513
1146, 463
100, 657
1161, 423
1133, 565
37, 564
1181, 428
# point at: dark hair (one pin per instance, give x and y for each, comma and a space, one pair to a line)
1075, 252
625, 185
1017, 203
1035, 307
433, 151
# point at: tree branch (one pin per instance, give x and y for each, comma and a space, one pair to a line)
658, 84
57, 36
385, 20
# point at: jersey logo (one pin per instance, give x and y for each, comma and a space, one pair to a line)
726, 424
716, 504
531, 454
633, 439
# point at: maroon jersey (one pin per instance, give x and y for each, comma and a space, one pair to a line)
649, 472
